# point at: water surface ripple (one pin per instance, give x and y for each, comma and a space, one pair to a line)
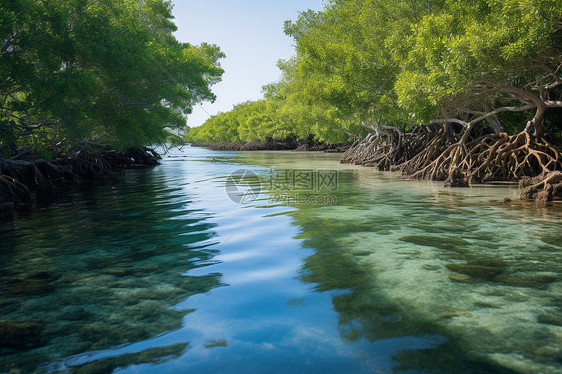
161, 272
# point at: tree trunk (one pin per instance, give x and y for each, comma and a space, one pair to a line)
538, 121
496, 124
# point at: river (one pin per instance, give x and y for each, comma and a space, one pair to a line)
280, 262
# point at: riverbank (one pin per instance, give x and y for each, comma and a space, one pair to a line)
289, 144
25, 177
459, 158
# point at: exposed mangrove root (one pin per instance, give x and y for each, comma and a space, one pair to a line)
287, 144
494, 157
389, 148
102, 163
21, 180
12, 191
504, 157
543, 188
90, 166
439, 152
382, 148
430, 149
379, 149
249, 146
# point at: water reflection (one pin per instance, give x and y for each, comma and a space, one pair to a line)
101, 268
163, 272
479, 274
368, 312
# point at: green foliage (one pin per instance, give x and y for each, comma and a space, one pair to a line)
282, 114
343, 73
99, 71
404, 63
473, 50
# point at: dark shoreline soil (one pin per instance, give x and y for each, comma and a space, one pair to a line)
275, 145
25, 178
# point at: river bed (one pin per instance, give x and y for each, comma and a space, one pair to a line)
277, 262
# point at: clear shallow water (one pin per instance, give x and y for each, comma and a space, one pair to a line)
162, 272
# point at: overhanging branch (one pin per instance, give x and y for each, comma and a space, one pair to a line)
444, 121
484, 116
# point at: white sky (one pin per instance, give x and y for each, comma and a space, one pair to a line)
250, 32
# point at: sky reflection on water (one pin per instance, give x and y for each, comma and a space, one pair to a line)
258, 287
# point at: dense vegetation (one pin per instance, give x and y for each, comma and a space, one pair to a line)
405, 63
97, 71
85, 85
459, 90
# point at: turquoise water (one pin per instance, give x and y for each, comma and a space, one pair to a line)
325, 268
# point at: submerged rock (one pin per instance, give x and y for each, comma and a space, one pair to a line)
20, 335
463, 278
475, 270
550, 320
44, 275
76, 315
549, 352
458, 313
520, 282
119, 272
456, 179
545, 277
31, 287
7, 210
544, 198
487, 261
446, 243
486, 304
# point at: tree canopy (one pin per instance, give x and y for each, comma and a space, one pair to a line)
97, 71
404, 63
479, 58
